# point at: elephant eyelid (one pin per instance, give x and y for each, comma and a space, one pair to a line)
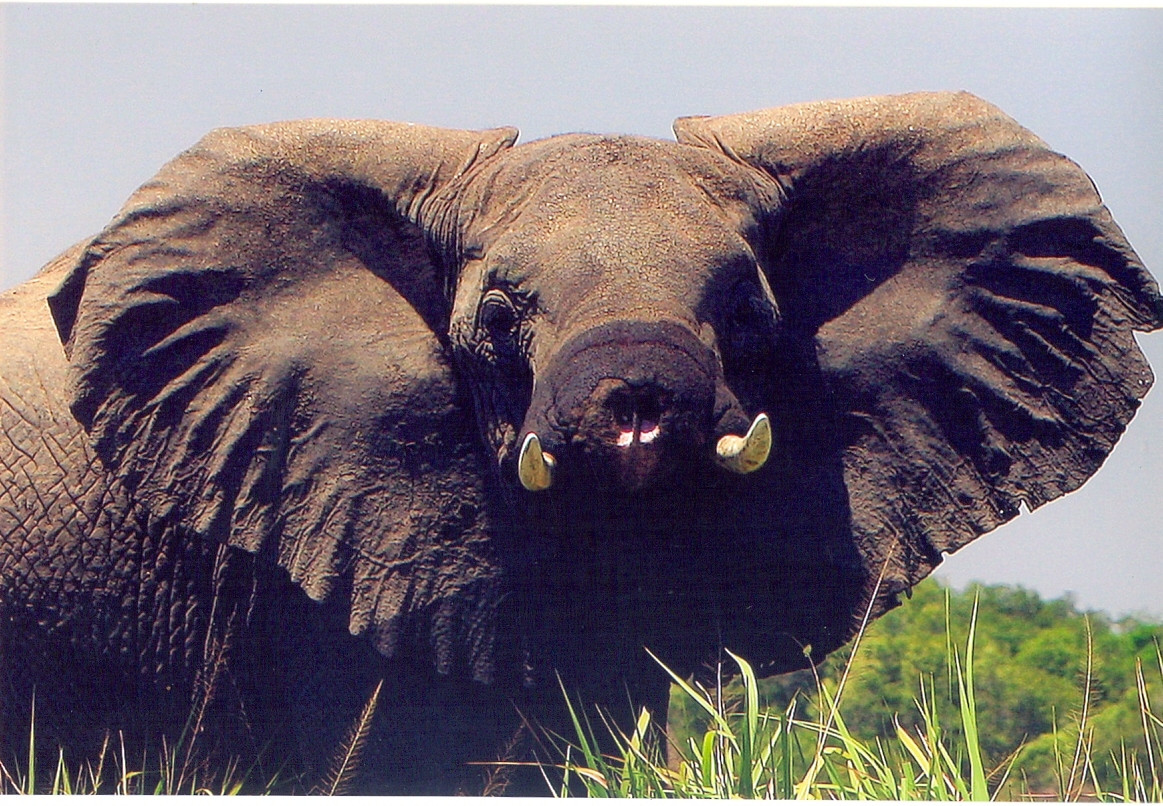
498, 315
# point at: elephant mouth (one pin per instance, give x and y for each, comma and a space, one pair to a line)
641, 434
638, 461
637, 418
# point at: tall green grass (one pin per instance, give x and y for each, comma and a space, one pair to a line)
751, 752
178, 767
173, 772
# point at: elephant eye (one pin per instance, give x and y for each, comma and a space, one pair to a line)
750, 308
751, 325
497, 315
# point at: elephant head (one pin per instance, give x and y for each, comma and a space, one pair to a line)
743, 388
606, 316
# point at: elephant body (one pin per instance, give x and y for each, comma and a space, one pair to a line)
336, 409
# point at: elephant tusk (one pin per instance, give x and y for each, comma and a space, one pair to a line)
748, 453
535, 466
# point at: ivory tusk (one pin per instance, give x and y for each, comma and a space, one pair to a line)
535, 466
748, 453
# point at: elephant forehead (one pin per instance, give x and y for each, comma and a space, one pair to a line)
620, 185
637, 261
605, 174
617, 213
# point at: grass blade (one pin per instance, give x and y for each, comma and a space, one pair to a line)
978, 788
346, 762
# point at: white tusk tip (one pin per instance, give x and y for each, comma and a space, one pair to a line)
748, 453
535, 466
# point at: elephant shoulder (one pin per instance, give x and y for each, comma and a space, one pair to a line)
33, 366
53, 493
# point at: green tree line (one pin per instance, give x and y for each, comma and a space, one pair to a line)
1043, 668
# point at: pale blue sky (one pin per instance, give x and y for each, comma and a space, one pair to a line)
96, 98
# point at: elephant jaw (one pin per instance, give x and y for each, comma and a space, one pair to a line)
637, 460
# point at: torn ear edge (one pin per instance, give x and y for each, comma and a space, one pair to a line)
66, 300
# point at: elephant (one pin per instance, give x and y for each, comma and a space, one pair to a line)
339, 413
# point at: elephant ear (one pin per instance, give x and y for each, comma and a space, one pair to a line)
965, 302
256, 350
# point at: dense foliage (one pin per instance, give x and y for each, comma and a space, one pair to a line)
1035, 679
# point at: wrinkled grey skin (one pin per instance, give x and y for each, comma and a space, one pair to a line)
259, 449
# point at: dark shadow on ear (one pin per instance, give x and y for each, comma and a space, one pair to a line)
390, 247
847, 227
794, 579
64, 302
